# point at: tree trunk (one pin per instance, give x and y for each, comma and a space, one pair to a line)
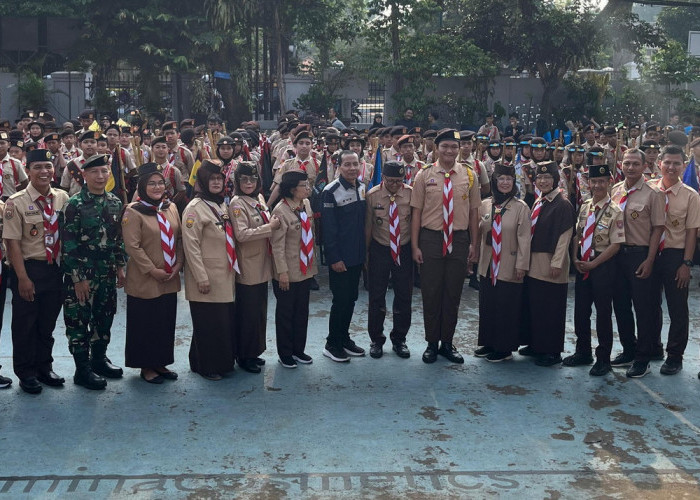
280, 69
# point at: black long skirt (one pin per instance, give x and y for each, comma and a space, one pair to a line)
150, 331
213, 347
251, 320
499, 314
547, 303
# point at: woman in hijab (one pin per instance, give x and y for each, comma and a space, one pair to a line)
152, 238
544, 315
504, 259
252, 228
210, 268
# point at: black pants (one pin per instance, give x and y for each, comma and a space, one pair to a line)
596, 289
442, 279
33, 323
640, 293
344, 289
292, 317
251, 320
381, 269
665, 268
5, 278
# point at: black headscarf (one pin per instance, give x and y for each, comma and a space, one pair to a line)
204, 173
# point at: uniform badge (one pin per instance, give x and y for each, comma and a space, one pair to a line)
298, 227
9, 210
634, 214
392, 199
599, 238
30, 207
189, 222
675, 223
464, 196
236, 211
33, 231
620, 224
431, 182
378, 221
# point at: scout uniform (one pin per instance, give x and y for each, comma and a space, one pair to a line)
682, 215
4, 381
411, 167
445, 246
174, 182
13, 175
509, 223
643, 208
388, 231
599, 225
251, 229
93, 251
72, 177
32, 219
179, 156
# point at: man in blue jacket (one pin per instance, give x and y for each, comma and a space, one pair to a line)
343, 223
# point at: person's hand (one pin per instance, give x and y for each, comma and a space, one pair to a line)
584, 266
26, 289
339, 267
644, 269
284, 281
204, 287
554, 272
159, 275
275, 222
82, 291
519, 274
176, 271
473, 254
417, 256
683, 276
121, 277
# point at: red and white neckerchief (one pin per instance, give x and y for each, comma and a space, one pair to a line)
306, 243
619, 175
496, 243
625, 195
535, 215
364, 169
394, 231
265, 215
447, 214
579, 197
662, 241
167, 238
2, 170
587, 238
228, 229
52, 241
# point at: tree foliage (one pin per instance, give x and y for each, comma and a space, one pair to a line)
676, 22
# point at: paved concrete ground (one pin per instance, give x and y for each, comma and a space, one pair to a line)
368, 429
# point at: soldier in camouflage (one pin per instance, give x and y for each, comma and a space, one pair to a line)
93, 261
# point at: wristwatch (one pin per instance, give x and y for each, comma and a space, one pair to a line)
688, 263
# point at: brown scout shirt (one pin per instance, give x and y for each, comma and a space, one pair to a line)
252, 234
141, 235
644, 210
24, 220
377, 218
427, 195
609, 228
541, 262
683, 213
13, 174
294, 164
286, 243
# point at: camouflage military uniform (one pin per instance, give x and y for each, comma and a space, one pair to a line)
92, 250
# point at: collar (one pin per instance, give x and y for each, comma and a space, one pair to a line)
440, 168
674, 189
552, 194
602, 202
347, 185
385, 192
34, 194
87, 196
7, 157
637, 185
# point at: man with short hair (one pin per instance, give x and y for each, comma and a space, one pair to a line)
179, 155
72, 178
343, 222
407, 120
334, 120
676, 250
33, 243
13, 177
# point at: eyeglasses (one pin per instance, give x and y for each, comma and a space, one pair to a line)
155, 184
393, 181
248, 180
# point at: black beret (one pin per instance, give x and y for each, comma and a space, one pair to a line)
87, 114
150, 168
678, 138
294, 177
96, 161
4, 136
393, 169
303, 134
247, 168
18, 143
113, 126
353, 138
501, 169
213, 167
653, 127
429, 134
36, 123
547, 167
158, 140
37, 155
609, 131
538, 142
406, 139
90, 134
598, 171
449, 134
650, 145
398, 130
187, 122
225, 141
466, 135
125, 130
171, 125
51, 137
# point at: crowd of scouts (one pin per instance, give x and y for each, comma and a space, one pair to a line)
102, 205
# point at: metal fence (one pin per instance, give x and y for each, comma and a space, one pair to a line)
368, 106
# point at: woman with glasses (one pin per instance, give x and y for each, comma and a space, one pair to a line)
152, 239
252, 228
544, 311
294, 263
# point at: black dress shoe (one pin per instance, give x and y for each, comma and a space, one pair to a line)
250, 365
527, 351
623, 359
449, 351
600, 368
30, 385
260, 361
430, 354
474, 283
375, 350
103, 366
167, 374
658, 355
50, 378
314, 284
671, 366
158, 379
401, 350
548, 360
578, 359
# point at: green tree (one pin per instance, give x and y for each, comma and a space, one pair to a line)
678, 21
